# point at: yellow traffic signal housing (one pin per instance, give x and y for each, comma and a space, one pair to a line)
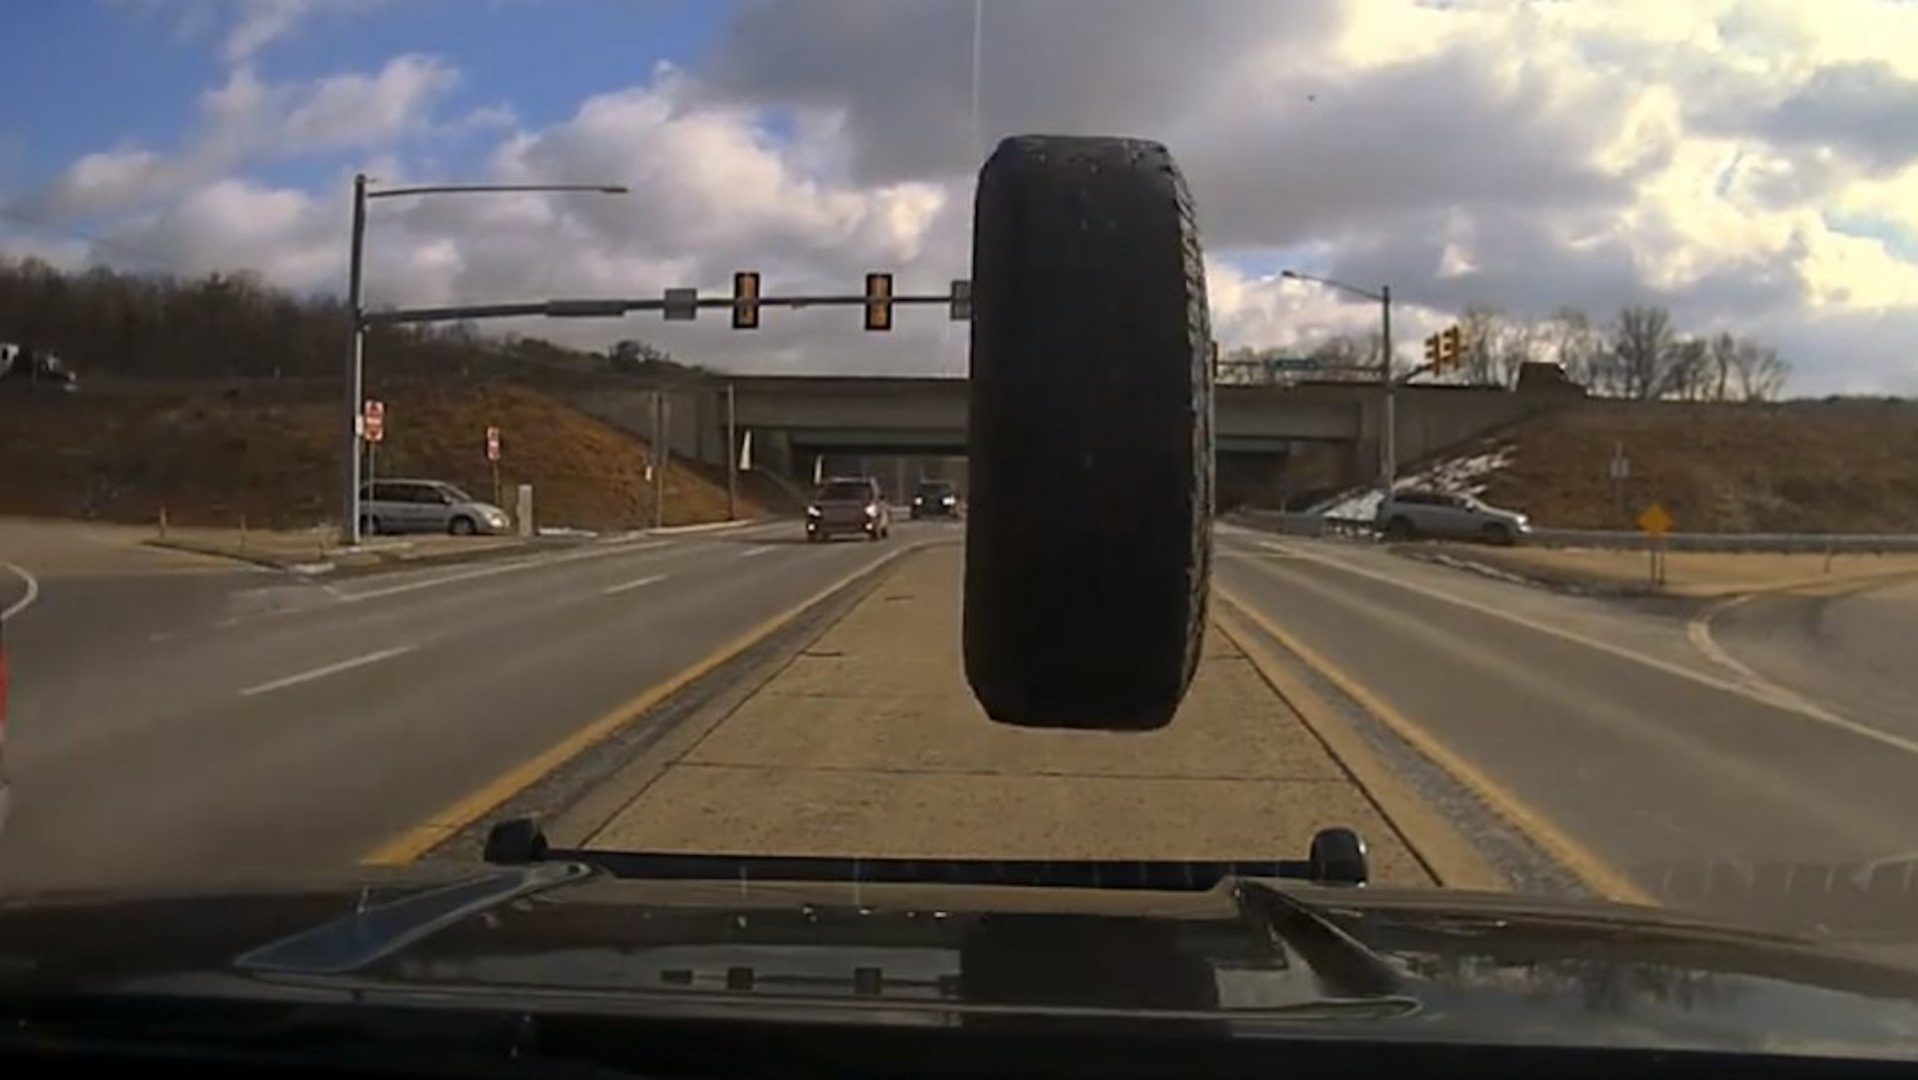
1453, 347
878, 301
1432, 351
746, 300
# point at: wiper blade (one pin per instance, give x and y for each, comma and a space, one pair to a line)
1341, 862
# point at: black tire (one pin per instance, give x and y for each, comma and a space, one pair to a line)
1496, 533
1338, 857
1089, 541
1399, 529
461, 525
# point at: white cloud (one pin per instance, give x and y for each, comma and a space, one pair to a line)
247, 120
1741, 161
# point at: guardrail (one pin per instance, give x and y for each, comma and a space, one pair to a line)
1292, 523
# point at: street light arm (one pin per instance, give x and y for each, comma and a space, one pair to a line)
466, 189
1328, 282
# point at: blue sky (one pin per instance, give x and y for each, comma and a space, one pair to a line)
540, 58
1728, 159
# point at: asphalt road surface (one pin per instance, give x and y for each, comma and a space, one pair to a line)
1667, 771
176, 719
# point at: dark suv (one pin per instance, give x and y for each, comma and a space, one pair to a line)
935, 498
848, 506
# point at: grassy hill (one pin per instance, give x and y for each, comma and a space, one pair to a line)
268, 452
1812, 466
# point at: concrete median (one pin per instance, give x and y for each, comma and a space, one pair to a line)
866, 741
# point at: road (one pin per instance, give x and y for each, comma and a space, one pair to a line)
176, 718
1658, 768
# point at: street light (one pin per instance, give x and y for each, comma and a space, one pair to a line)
1388, 428
356, 352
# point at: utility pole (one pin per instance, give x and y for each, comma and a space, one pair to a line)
356, 350
732, 456
356, 310
1388, 432
659, 458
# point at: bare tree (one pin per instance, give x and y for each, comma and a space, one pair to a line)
1570, 340
1688, 372
1642, 352
1759, 373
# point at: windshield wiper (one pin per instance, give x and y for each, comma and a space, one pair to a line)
1337, 857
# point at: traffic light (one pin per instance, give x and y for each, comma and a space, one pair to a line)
746, 300
878, 301
961, 301
1432, 352
1452, 348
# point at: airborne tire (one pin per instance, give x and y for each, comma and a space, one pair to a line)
1088, 541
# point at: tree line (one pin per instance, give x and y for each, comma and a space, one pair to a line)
235, 325
1639, 355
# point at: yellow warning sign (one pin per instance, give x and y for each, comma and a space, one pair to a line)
1655, 521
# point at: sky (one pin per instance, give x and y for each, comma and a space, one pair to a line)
1750, 164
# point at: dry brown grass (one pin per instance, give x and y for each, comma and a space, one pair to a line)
211, 457
1848, 467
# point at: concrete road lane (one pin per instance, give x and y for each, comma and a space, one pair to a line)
1851, 647
1609, 728
292, 727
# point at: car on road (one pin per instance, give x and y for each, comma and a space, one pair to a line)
934, 498
849, 506
402, 506
1415, 513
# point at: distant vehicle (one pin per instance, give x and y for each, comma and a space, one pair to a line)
849, 506
1416, 513
397, 506
34, 368
935, 498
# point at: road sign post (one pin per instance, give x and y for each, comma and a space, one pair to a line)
492, 458
373, 431
1655, 523
1620, 470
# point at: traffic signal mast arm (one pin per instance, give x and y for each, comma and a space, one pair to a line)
681, 302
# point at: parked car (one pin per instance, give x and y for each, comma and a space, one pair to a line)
935, 498
1415, 513
397, 506
26, 366
849, 505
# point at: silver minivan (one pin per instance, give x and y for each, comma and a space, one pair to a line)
1413, 513
396, 506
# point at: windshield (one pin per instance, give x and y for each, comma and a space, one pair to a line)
1491, 428
846, 491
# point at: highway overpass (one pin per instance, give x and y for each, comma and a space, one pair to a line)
1260, 429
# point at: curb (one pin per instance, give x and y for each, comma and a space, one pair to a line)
245, 558
1607, 590
1444, 851
1456, 855
411, 844
706, 526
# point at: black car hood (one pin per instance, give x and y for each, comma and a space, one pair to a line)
1382, 964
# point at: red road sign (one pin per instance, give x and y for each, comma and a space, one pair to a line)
492, 444
373, 421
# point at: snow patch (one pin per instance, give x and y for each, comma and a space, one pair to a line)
1468, 475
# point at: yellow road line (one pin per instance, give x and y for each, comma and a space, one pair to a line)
1451, 859
419, 839
1595, 873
